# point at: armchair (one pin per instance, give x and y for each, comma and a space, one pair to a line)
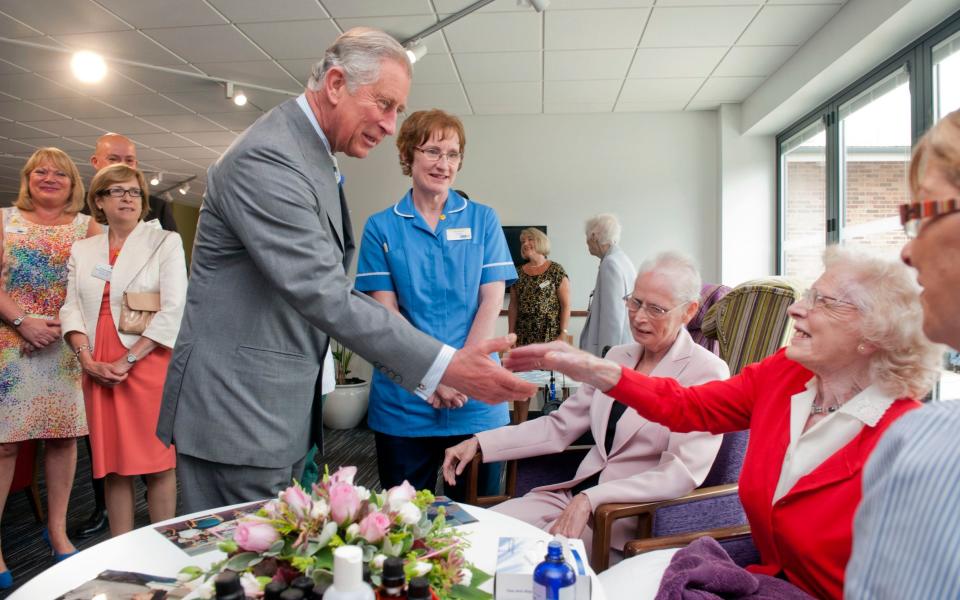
750, 323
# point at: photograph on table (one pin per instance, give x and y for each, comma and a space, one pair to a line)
116, 585
201, 534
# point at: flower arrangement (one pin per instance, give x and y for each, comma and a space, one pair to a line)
295, 534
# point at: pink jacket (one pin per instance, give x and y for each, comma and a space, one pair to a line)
646, 461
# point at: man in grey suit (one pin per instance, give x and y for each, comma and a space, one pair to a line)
607, 324
268, 285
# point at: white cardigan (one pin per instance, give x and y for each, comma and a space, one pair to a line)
164, 271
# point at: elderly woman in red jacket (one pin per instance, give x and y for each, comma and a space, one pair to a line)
856, 363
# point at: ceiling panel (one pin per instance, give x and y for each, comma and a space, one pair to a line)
574, 92
147, 105
58, 142
399, 27
209, 101
696, 26
126, 45
213, 138
185, 123
126, 125
648, 106
484, 32
787, 24
27, 111
675, 62
594, 29
299, 39
445, 96
376, 8
557, 5
55, 17
165, 140
168, 13
754, 61
81, 108
35, 59
576, 107
572, 65
499, 66
163, 81
659, 90
32, 86
210, 43
12, 28
251, 11
68, 128
503, 93
436, 67
260, 72
234, 121
728, 89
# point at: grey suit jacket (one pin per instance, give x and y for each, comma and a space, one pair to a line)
607, 323
267, 286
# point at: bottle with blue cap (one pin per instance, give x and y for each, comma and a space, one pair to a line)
554, 579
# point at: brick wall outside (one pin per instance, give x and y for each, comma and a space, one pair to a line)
874, 190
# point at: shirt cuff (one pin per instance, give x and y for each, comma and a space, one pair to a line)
432, 379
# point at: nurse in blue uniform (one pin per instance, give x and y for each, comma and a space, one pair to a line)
441, 261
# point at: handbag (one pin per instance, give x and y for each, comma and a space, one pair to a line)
137, 308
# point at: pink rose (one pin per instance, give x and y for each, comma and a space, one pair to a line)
298, 500
344, 474
374, 526
399, 495
344, 502
255, 535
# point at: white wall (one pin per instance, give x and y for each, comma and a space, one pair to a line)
657, 171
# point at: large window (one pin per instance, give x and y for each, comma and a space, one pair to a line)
843, 168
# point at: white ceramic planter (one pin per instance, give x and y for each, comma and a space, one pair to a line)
346, 405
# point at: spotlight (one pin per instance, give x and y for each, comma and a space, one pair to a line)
156, 179
538, 5
88, 66
416, 50
183, 189
239, 98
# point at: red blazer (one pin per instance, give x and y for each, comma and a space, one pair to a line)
807, 534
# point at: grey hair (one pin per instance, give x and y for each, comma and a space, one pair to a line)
684, 276
906, 363
359, 52
605, 228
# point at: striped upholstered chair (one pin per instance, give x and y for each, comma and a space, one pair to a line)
750, 323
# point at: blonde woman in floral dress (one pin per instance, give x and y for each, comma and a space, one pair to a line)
40, 395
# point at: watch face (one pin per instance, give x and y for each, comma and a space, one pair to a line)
131, 358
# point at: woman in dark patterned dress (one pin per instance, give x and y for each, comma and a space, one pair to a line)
540, 299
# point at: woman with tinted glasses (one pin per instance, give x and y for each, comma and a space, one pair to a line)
40, 395
123, 373
857, 362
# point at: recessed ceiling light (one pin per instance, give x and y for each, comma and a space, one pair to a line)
88, 67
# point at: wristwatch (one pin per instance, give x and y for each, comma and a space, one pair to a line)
16, 322
131, 358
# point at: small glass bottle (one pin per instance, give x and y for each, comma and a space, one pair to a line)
292, 594
554, 579
419, 589
273, 590
304, 584
393, 580
227, 587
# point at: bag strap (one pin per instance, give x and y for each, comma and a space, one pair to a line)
166, 234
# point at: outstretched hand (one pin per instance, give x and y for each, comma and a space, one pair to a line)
472, 373
559, 356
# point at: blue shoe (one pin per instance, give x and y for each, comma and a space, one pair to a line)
57, 557
6, 580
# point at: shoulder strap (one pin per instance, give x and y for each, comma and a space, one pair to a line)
166, 234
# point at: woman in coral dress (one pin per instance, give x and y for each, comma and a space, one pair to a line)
124, 373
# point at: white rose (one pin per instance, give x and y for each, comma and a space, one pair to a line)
378, 561
320, 510
251, 587
422, 568
363, 492
409, 514
352, 531
466, 576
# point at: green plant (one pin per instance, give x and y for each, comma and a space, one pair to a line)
342, 357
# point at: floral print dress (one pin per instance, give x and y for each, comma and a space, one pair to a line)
40, 395
538, 305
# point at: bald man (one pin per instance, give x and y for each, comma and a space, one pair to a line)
113, 148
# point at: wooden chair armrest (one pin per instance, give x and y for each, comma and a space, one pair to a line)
605, 515
635, 547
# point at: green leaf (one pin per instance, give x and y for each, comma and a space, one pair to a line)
324, 559
479, 576
241, 562
193, 572
462, 592
275, 549
228, 546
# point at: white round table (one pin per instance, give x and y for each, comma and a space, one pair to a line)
145, 550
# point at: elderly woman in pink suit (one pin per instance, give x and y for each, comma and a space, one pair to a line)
634, 460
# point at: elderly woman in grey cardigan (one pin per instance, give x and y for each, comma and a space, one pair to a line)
607, 324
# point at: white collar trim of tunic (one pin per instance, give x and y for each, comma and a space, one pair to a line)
407, 202
868, 406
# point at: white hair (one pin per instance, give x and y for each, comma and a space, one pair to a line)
684, 276
359, 52
605, 229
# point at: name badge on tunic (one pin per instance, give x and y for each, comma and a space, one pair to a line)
103, 272
17, 229
459, 233
545, 284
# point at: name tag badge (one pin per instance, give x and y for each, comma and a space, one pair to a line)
17, 229
103, 272
545, 284
459, 233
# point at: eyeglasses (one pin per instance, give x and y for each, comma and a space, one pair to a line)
654, 311
435, 154
815, 300
118, 192
917, 215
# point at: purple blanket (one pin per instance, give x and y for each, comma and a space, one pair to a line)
704, 571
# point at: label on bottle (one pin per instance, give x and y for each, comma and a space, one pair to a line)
542, 592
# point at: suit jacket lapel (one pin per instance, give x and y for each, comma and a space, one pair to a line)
320, 171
